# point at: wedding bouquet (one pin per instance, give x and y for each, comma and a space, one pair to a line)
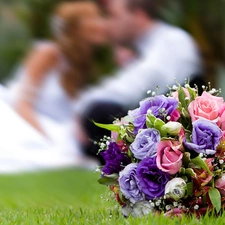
168, 155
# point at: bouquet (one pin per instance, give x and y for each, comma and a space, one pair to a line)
168, 155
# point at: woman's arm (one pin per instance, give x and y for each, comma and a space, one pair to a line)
37, 66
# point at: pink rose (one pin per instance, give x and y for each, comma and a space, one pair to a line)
206, 106
221, 122
220, 185
169, 156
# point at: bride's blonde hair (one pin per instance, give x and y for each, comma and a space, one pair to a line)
66, 21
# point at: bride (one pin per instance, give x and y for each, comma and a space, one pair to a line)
37, 126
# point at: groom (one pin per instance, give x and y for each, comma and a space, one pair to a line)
164, 52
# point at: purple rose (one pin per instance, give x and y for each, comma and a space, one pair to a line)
115, 159
152, 180
206, 137
128, 182
145, 144
160, 106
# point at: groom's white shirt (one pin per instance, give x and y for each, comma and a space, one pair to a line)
165, 53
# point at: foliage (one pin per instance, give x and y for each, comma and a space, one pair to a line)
55, 197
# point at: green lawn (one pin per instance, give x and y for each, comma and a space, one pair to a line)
67, 197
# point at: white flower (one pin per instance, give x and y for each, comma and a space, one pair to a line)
168, 117
175, 204
196, 207
149, 111
172, 128
142, 208
126, 210
213, 91
168, 207
139, 209
175, 88
102, 145
157, 203
175, 189
152, 204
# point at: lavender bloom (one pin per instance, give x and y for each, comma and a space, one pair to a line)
206, 137
160, 106
128, 182
145, 144
115, 160
152, 180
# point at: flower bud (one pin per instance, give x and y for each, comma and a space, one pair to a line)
172, 128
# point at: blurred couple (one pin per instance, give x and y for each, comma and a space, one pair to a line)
46, 112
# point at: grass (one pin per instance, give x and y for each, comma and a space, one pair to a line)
68, 197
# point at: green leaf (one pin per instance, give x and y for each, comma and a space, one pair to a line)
192, 93
190, 189
186, 159
190, 172
185, 113
182, 97
111, 127
153, 122
158, 124
182, 170
215, 198
109, 179
150, 120
201, 163
126, 133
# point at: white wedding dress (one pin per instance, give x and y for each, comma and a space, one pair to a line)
22, 148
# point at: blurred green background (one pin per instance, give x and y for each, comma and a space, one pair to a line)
24, 21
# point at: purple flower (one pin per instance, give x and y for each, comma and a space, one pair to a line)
145, 144
115, 160
160, 106
128, 182
206, 137
152, 180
